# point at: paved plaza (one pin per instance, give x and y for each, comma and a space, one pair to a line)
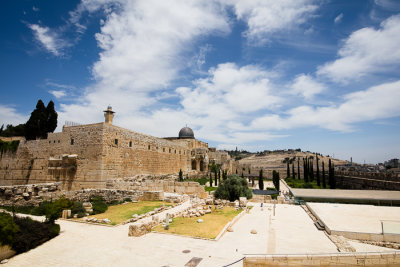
290, 231
355, 218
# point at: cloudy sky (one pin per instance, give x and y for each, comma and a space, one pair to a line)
254, 74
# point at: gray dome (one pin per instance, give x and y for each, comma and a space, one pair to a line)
186, 132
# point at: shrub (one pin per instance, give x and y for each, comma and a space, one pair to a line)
233, 188
77, 208
32, 234
54, 210
8, 229
127, 199
98, 205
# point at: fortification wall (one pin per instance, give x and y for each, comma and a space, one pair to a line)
86, 156
46, 160
127, 153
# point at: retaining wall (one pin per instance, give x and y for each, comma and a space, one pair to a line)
342, 259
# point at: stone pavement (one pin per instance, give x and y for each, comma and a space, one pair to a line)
290, 231
355, 218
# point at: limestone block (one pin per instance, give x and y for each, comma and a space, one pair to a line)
242, 202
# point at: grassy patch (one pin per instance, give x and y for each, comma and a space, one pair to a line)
202, 180
120, 213
210, 228
210, 188
299, 183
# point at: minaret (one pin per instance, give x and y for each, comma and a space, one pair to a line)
109, 115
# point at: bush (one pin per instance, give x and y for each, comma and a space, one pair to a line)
98, 205
233, 188
32, 234
8, 229
77, 208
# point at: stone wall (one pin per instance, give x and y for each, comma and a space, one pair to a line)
33, 195
342, 259
348, 182
145, 183
86, 156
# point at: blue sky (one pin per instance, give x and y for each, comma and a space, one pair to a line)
257, 74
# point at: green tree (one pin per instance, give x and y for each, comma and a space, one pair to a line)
287, 169
42, 121
318, 176
275, 179
293, 172
180, 175
211, 181
233, 188
8, 229
52, 116
311, 164
333, 186
298, 169
261, 180
323, 175
331, 175
305, 167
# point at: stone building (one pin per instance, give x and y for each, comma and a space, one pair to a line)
86, 156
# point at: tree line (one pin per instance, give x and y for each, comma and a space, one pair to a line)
309, 174
43, 120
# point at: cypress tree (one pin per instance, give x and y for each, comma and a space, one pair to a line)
242, 175
215, 176
293, 173
311, 170
52, 118
318, 177
180, 175
261, 180
323, 175
333, 177
36, 125
330, 174
287, 169
219, 177
210, 180
275, 179
306, 170
298, 169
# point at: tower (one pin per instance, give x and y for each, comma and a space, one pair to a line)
109, 115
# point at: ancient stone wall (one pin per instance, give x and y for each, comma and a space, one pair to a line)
86, 156
138, 183
347, 182
127, 153
34, 194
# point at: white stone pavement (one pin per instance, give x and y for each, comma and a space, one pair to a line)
289, 231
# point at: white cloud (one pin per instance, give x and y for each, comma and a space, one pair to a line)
392, 5
143, 46
339, 18
377, 102
9, 115
306, 86
58, 93
267, 17
48, 39
366, 51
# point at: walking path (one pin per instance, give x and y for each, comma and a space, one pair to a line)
291, 230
